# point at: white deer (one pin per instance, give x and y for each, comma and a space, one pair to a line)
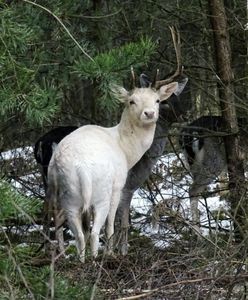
89, 167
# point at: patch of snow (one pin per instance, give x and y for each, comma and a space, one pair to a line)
23, 152
27, 229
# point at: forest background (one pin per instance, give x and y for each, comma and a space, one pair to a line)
58, 59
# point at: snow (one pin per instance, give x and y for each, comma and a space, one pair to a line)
23, 152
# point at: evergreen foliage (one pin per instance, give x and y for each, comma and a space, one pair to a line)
22, 96
20, 281
16, 206
112, 66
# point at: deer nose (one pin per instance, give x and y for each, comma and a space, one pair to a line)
149, 114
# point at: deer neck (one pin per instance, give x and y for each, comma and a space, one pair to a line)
134, 139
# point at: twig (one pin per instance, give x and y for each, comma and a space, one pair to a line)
62, 24
188, 281
97, 17
10, 288
51, 283
93, 292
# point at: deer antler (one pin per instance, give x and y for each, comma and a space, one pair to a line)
177, 46
133, 77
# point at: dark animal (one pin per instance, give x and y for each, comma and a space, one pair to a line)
203, 145
45, 145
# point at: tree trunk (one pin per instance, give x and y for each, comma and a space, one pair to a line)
237, 195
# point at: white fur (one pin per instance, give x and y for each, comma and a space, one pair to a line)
89, 166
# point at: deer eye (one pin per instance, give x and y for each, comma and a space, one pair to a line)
158, 101
131, 102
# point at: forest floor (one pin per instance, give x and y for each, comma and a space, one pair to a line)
189, 269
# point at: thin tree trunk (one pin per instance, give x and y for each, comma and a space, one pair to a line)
226, 94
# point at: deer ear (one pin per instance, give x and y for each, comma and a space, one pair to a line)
120, 93
167, 90
181, 85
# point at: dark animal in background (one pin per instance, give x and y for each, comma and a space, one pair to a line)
203, 145
45, 145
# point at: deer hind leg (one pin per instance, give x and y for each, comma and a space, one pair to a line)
100, 215
74, 219
194, 198
200, 183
